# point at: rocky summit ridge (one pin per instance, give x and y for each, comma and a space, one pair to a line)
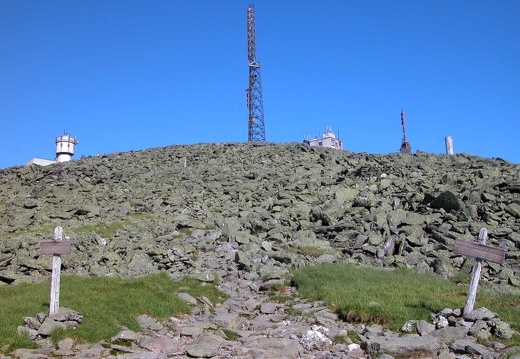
249, 213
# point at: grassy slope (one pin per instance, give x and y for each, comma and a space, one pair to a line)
105, 302
392, 297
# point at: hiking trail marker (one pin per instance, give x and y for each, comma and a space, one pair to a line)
57, 247
480, 251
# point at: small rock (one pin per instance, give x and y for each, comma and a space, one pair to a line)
251, 304
267, 246
126, 335
226, 320
32, 323
187, 298
479, 314
41, 317
205, 346
268, 308
423, 327
441, 322
66, 344
192, 331
147, 322
450, 334
404, 346
469, 347
503, 330
316, 338
409, 326
29, 354
49, 325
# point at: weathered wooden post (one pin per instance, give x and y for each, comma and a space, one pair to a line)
57, 247
480, 252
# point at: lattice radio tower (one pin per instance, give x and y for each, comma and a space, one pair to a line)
255, 101
405, 145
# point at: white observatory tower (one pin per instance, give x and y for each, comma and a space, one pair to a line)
65, 147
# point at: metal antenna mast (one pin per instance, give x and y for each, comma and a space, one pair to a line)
405, 145
255, 101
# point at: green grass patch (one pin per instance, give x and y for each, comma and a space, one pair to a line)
310, 251
391, 297
282, 298
105, 230
232, 335
144, 216
341, 339
280, 291
462, 278
46, 228
105, 302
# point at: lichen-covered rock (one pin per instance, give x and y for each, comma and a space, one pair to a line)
503, 330
446, 200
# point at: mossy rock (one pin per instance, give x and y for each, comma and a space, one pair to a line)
448, 201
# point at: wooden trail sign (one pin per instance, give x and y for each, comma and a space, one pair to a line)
57, 247
480, 252
54, 247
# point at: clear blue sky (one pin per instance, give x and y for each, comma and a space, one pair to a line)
127, 75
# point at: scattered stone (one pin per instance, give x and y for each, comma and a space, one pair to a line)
424, 328
29, 354
479, 314
187, 298
450, 334
164, 345
406, 345
503, 330
226, 320
66, 344
316, 338
273, 348
192, 331
465, 346
147, 322
205, 346
410, 326
268, 308
49, 325
125, 335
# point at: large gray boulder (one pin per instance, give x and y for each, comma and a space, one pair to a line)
404, 346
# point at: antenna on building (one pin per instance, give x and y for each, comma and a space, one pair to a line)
328, 140
405, 145
65, 147
255, 100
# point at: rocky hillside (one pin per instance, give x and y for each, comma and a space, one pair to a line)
273, 207
245, 215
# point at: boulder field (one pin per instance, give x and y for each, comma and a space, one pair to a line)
208, 210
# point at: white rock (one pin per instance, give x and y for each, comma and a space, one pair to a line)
316, 338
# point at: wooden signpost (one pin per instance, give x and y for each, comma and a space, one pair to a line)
57, 247
480, 252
